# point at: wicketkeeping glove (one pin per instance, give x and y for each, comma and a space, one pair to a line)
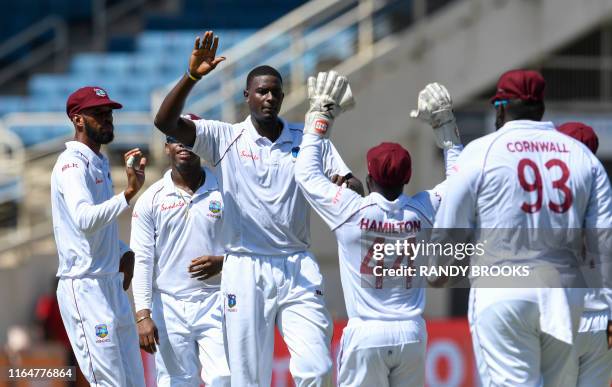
435, 107
329, 95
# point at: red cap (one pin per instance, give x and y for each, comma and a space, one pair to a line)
389, 164
581, 132
87, 97
526, 85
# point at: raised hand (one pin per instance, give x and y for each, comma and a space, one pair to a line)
135, 172
329, 95
435, 107
203, 57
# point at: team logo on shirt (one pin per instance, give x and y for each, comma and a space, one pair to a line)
102, 333
215, 206
214, 209
231, 303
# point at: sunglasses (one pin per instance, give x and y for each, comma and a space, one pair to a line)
171, 140
500, 102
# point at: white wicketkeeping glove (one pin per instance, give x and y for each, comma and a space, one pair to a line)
435, 107
329, 95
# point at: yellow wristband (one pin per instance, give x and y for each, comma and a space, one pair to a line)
192, 77
142, 318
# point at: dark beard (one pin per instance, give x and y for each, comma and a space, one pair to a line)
98, 137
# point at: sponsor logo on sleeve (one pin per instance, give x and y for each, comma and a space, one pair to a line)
70, 165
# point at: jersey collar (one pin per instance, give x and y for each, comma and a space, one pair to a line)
527, 124
389, 206
284, 137
90, 155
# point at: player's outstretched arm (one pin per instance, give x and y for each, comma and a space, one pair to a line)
435, 107
333, 203
202, 61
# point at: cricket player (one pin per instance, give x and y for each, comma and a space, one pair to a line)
526, 179
91, 289
269, 277
175, 221
593, 342
384, 341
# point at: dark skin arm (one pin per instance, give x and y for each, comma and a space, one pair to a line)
610, 334
126, 266
202, 61
205, 267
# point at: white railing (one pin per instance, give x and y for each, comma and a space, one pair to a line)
287, 44
104, 16
55, 47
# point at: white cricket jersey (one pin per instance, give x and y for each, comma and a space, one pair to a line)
84, 210
358, 224
527, 176
265, 212
170, 228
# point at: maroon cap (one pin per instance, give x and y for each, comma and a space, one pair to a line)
526, 85
87, 97
581, 132
389, 164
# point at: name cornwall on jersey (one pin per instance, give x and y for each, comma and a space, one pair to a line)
536, 146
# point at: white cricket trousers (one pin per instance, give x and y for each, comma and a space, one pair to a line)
100, 324
382, 353
511, 350
190, 341
594, 357
261, 292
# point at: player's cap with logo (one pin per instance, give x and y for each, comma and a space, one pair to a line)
526, 85
389, 164
581, 132
88, 97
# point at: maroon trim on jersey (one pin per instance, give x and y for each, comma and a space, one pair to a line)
229, 146
155, 194
76, 305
